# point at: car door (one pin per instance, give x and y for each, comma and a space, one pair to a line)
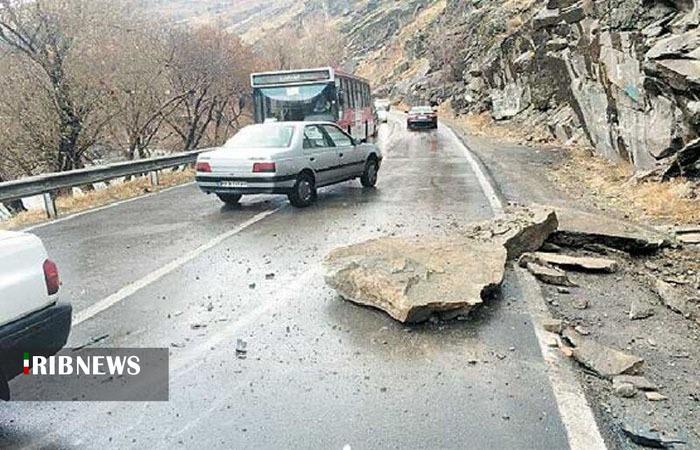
349, 155
321, 154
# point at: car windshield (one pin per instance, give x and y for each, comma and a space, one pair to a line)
262, 136
421, 110
297, 103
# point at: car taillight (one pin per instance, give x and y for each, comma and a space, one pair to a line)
51, 277
203, 167
264, 167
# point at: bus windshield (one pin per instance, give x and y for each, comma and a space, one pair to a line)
297, 103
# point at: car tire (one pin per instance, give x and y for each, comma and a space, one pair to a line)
369, 175
230, 199
304, 191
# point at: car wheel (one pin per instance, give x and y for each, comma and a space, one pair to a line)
369, 176
230, 199
304, 191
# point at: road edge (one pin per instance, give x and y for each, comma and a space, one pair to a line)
576, 414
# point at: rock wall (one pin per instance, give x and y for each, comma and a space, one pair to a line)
623, 74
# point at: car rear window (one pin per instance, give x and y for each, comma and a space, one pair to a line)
262, 136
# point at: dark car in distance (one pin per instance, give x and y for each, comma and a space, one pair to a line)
421, 117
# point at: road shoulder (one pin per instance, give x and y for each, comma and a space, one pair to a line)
523, 175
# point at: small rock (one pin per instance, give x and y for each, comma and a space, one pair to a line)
566, 350
241, 349
605, 361
647, 436
549, 275
583, 331
640, 310
580, 303
270, 276
654, 396
625, 390
198, 326
583, 263
563, 290
637, 381
553, 325
251, 285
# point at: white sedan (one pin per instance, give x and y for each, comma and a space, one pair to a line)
291, 158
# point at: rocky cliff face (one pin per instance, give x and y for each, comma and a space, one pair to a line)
622, 74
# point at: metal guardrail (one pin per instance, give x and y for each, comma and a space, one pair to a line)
46, 184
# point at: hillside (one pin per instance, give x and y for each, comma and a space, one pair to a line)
622, 77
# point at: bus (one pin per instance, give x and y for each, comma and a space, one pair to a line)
315, 94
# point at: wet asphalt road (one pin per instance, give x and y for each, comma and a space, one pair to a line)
320, 372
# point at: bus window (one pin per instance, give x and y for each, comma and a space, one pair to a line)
347, 94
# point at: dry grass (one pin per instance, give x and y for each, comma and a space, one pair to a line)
609, 186
73, 204
594, 179
484, 125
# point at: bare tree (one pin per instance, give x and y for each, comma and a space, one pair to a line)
55, 37
210, 68
143, 100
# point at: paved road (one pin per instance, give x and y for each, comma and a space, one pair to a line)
320, 372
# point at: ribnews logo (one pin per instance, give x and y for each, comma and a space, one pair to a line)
95, 365
88, 374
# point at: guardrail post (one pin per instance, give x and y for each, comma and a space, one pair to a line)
50, 205
154, 176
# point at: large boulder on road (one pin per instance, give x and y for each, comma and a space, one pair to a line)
414, 278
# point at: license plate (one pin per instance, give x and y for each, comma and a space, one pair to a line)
233, 184
422, 117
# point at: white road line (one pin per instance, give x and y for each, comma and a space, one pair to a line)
576, 415
132, 288
101, 208
581, 427
483, 179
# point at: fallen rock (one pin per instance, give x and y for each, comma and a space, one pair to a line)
653, 396
640, 310
639, 382
690, 238
414, 278
570, 262
553, 325
578, 229
549, 275
521, 229
580, 304
604, 361
676, 300
645, 435
624, 390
